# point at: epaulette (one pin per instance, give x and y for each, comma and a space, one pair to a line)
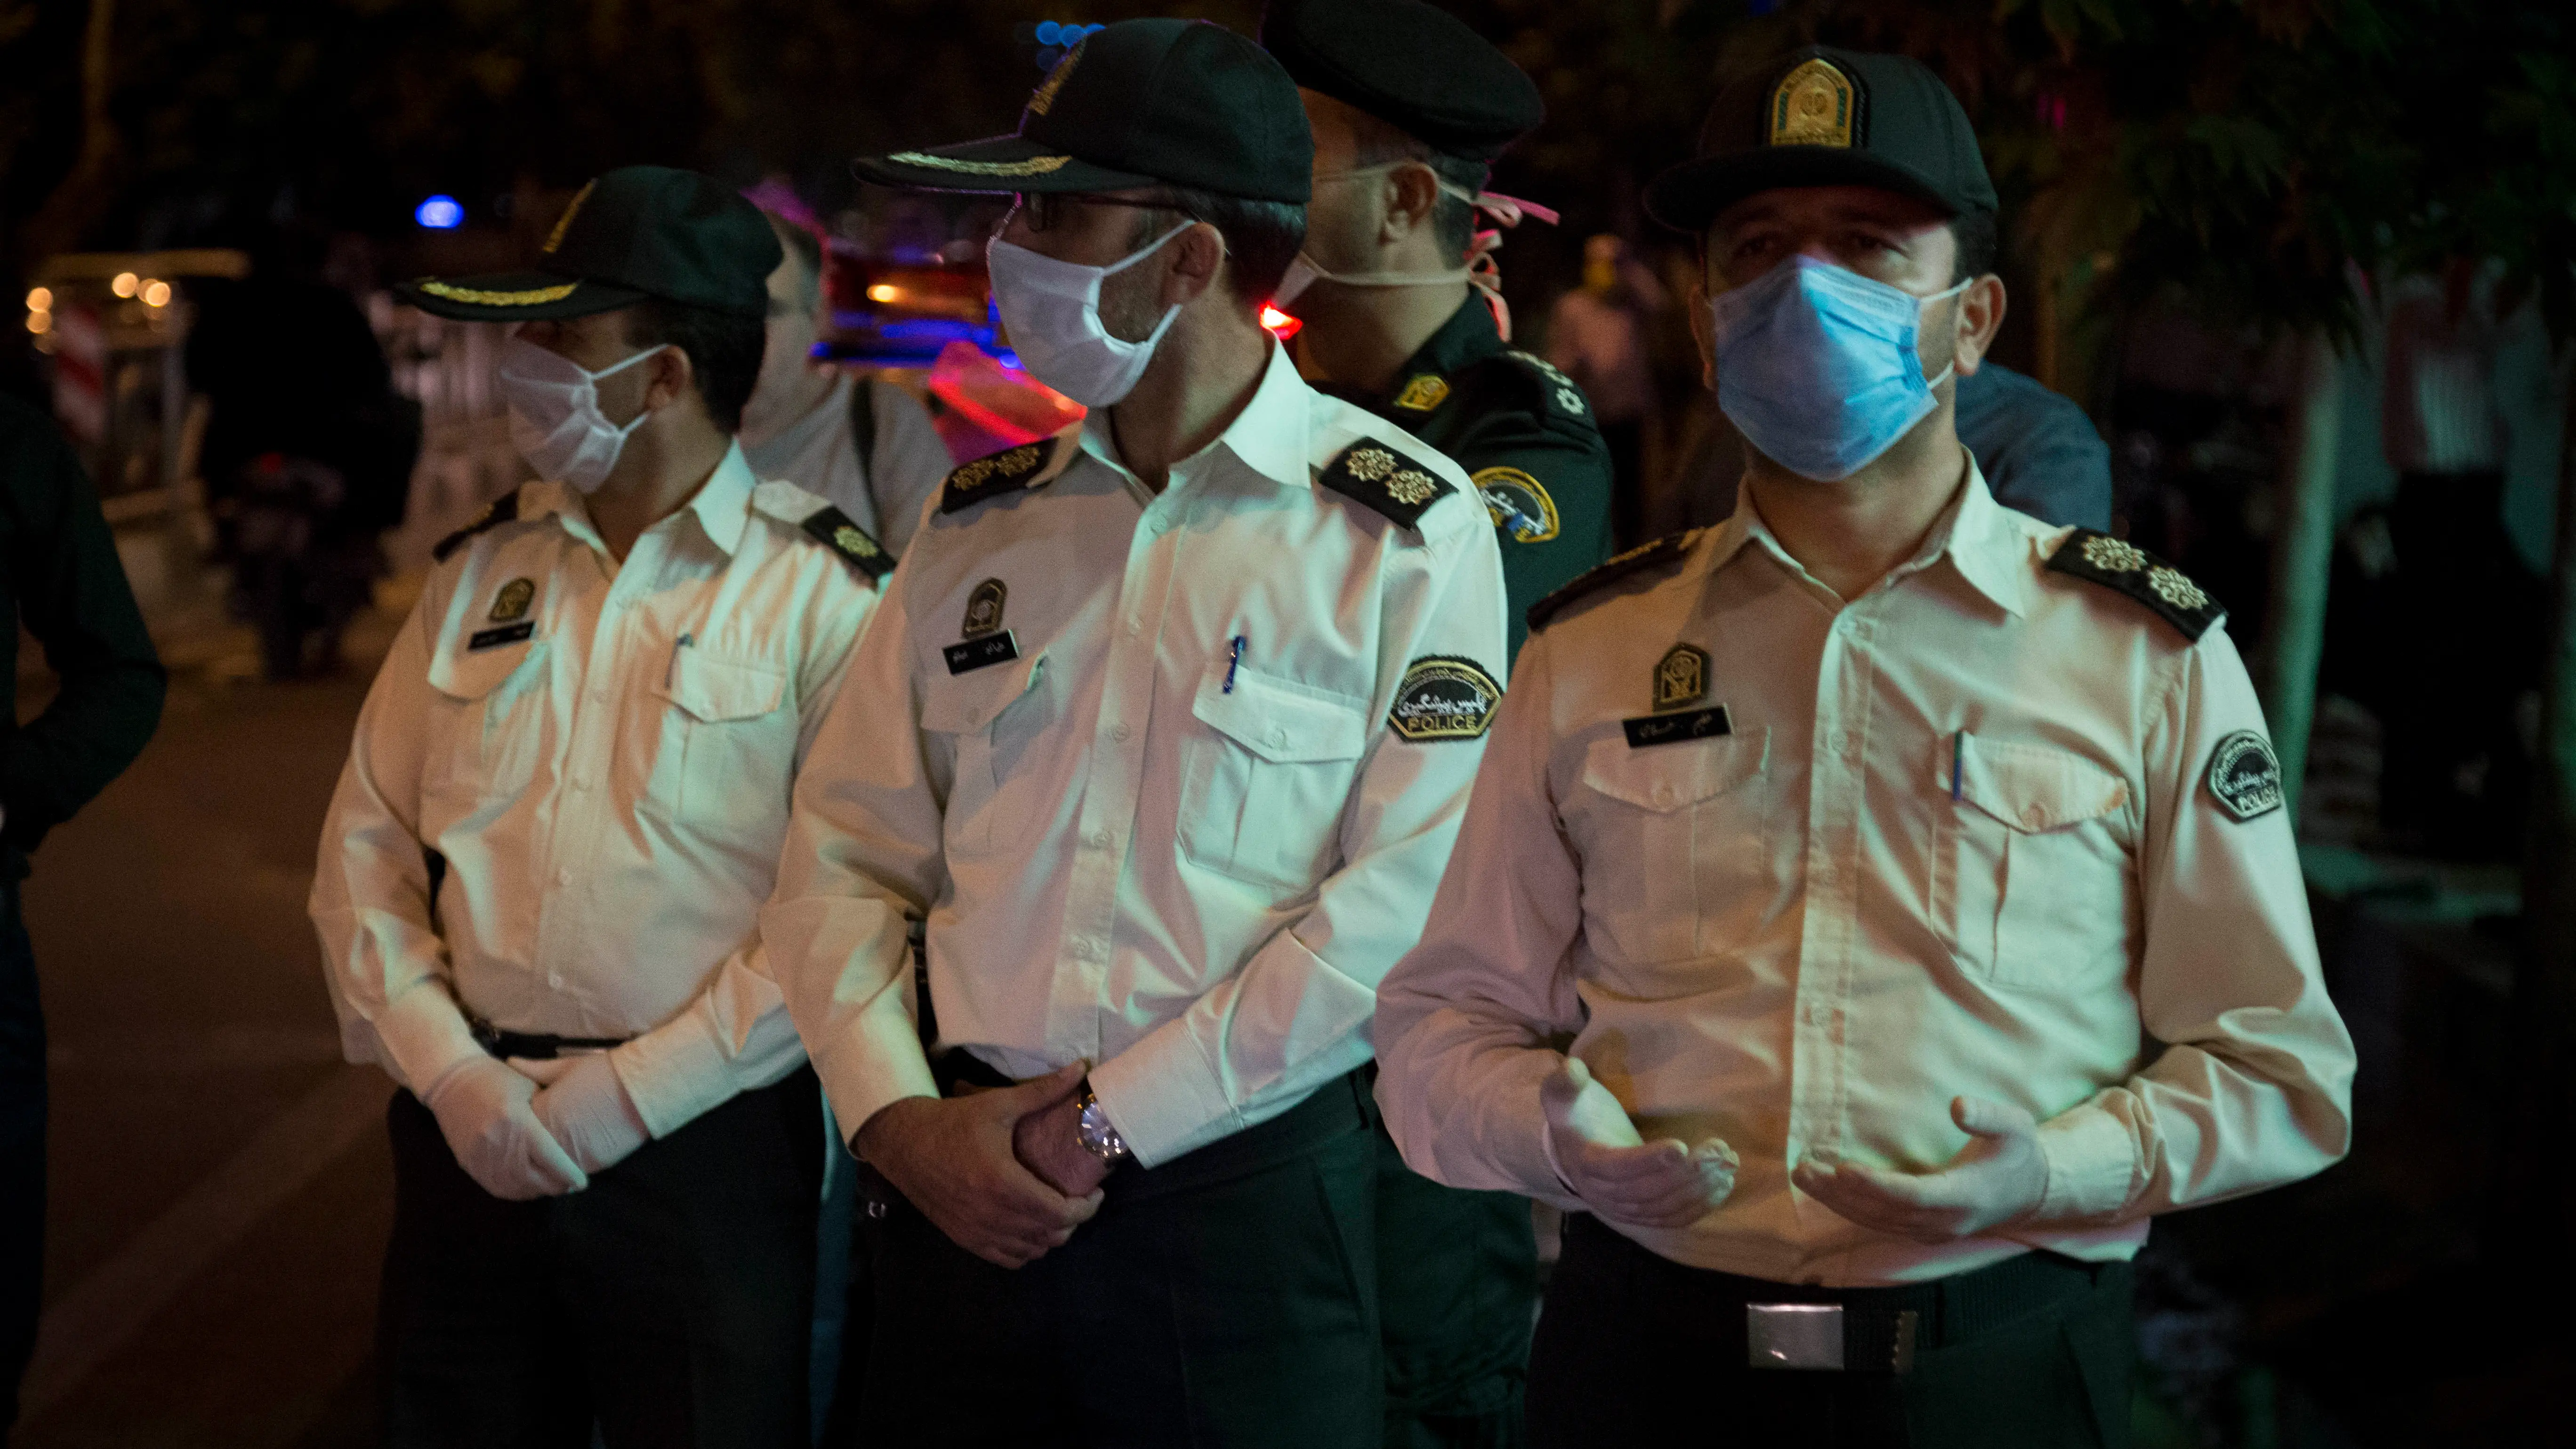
1370, 472
839, 533
1563, 397
2116, 563
499, 511
1008, 471
1665, 550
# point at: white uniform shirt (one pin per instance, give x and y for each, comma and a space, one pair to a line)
884, 492
603, 754
1121, 860
1961, 839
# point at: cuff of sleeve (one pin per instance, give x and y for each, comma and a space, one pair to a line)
675, 1073
2093, 1165
862, 1075
424, 1034
1161, 1094
1558, 1191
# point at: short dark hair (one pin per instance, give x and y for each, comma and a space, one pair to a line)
1378, 143
807, 248
723, 349
1974, 231
1261, 237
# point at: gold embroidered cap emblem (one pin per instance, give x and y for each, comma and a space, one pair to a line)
1812, 106
1426, 391
1045, 94
1034, 166
2117, 556
511, 604
563, 223
2174, 589
1681, 677
984, 608
982, 468
533, 297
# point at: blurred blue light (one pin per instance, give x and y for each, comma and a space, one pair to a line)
1049, 32
1095, 25
440, 213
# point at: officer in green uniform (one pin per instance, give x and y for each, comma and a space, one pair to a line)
1396, 285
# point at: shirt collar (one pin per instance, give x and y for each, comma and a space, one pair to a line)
722, 504
1468, 336
1975, 533
1268, 436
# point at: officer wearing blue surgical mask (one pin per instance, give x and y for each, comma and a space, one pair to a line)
539, 882
1872, 910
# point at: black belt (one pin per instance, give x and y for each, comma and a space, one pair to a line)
533, 1045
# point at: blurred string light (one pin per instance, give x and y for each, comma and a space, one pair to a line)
40, 300
156, 294
1055, 37
126, 284
440, 213
40, 310
884, 292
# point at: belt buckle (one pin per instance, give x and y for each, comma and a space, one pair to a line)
1822, 1336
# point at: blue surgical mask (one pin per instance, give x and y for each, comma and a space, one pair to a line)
1817, 365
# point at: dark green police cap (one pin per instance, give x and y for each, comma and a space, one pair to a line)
1414, 66
1828, 117
1138, 103
632, 233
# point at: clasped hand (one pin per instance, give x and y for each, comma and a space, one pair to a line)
1618, 1174
1001, 1172
1998, 1179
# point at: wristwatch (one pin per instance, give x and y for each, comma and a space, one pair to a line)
1091, 1127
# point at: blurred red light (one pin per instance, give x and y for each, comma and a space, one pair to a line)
1280, 324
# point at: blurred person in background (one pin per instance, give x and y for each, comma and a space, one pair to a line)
1598, 334
308, 453
862, 442
60, 573
539, 881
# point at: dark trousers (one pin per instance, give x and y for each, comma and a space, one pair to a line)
22, 1153
1226, 1298
2032, 1353
670, 1302
1457, 1280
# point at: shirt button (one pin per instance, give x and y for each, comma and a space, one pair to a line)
1119, 732
1838, 742
554, 979
564, 876
1135, 626
1100, 840
1278, 736
1818, 1013
2034, 816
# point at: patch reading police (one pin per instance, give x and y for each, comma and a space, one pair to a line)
984, 609
1515, 501
981, 653
1681, 677
506, 634
1444, 698
511, 604
1426, 391
1646, 731
2245, 776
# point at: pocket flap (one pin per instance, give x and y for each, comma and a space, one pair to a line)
715, 688
1279, 721
2028, 787
463, 672
961, 704
1669, 777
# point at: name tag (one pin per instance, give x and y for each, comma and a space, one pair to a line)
1672, 729
976, 653
506, 634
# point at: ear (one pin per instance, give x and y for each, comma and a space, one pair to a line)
1412, 193
1198, 258
1977, 317
667, 378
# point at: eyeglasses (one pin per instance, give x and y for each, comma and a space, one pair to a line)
1044, 210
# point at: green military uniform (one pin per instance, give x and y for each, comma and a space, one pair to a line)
1458, 1271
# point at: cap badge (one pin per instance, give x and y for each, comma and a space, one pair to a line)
478, 297
511, 604
984, 608
1426, 391
1034, 166
1812, 106
563, 223
1681, 678
1045, 94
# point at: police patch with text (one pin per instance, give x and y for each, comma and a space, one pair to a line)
2245, 776
1444, 698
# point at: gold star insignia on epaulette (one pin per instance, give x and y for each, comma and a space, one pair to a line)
1385, 480
837, 531
2123, 567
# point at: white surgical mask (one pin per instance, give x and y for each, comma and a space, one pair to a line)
554, 414
1818, 366
1051, 309
1305, 271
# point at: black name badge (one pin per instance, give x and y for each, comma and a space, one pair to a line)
976, 653
1672, 729
506, 634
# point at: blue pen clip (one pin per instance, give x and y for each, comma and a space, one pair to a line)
1958, 752
1233, 662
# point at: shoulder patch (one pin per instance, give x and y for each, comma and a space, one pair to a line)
501, 510
1518, 503
1443, 697
1384, 479
2117, 564
1661, 552
1561, 392
2245, 776
1008, 471
1426, 391
837, 532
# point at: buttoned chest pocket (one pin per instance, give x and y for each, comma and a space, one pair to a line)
1671, 835
1265, 777
727, 751
2032, 868
990, 716
497, 723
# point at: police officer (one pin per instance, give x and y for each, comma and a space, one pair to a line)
540, 877
1910, 876
1402, 309
1183, 706
1409, 109
59, 570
